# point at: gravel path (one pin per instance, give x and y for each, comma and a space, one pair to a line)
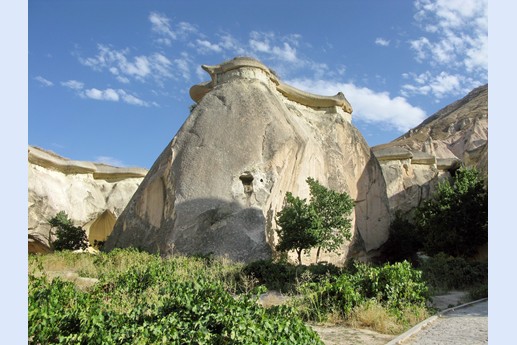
464, 326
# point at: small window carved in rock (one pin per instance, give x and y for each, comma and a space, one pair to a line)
247, 182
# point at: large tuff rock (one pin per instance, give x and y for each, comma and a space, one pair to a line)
93, 195
217, 187
413, 164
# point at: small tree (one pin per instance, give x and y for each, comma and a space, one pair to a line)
330, 216
323, 223
295, 226
455, 220
68, 236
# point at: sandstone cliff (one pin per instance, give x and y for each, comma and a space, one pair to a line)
216, 188
93, 195
456, 135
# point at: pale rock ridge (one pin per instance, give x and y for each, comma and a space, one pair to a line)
217, 187
414, 163
92, 194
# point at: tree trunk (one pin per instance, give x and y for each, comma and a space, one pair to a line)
299, 256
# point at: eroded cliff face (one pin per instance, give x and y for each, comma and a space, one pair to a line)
93, 195
217, 187
413, 164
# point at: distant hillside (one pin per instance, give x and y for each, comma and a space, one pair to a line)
458, 131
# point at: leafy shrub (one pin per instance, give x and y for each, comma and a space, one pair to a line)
455, 220
445, 272
403, 243
394, 286
284, 277
478, 292
68, 236
148, 304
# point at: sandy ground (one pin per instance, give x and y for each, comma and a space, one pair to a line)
337, 335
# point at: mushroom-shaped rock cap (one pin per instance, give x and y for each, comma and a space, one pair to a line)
197, 92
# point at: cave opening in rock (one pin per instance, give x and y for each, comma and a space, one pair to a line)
99, 229
247, 182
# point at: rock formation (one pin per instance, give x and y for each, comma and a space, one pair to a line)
414, 163
93, 195
217, 187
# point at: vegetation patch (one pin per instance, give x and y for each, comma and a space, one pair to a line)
155, 302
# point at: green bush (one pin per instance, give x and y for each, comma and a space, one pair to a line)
285, 277
403, 242
148, 304
394, 286
444, 272
68, 236
455, 219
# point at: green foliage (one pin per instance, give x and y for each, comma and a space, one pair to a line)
330, 216
68, 236
295, 226
285, 277
156, 302
444, 272
455, 220
323, 222
394, 286
403, 243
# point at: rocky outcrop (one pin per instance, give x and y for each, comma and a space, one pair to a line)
217, 187
93, 195
456, 135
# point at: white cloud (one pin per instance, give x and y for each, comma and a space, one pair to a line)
130, 99
230, 43
161, 25
43, 81
382, 42
155, 66
109, 161
113, 96
441, 85
208, 47
73, 84
270, 46
102, 95
183, 65
369, 106
458, 33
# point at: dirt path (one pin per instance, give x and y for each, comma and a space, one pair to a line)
337, 335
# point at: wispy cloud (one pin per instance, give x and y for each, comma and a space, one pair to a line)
457, 33
161, 25
271, 46
109, 94
43, 81
102, 95
113, 95
109, 161
73, 84
454, 44
382, 42
439, 85
369, 106
206, 46
155, 66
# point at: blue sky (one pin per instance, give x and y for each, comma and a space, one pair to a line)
108, 81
